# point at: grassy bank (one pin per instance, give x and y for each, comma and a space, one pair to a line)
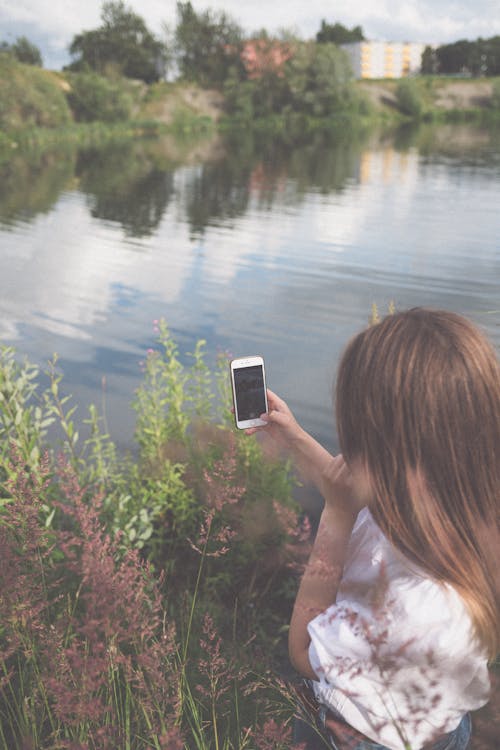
41, 109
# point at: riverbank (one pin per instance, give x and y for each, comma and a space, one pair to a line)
41, 110
438, 97
32, 97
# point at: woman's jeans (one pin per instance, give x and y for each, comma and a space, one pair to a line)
456, 740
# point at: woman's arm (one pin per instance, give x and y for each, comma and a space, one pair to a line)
343, 500
309, 457
320, 582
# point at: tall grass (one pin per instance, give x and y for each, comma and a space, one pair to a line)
134, 606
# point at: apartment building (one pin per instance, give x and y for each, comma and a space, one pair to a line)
384, 59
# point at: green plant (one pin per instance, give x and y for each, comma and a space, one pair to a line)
94, 97
30, 97
409, 98
161, 399
88, 646
123, 42
23, 419
192, 471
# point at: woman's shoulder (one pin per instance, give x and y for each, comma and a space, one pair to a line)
387, 587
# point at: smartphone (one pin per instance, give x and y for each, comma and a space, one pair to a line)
248, 380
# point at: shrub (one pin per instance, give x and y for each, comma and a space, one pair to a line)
93, 97
409, 98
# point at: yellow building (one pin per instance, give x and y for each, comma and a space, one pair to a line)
384, 59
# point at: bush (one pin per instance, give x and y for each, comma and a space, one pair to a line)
93, 97
409, 98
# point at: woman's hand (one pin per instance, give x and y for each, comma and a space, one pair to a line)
281, 425
339, 484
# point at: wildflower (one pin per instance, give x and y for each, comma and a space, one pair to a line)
107, 629
275, 736
222, 537
214, 666
171, 740
220, 481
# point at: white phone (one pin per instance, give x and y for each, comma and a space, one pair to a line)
248, 379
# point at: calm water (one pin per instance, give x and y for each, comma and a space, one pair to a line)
256, 247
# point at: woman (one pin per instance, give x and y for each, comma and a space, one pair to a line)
396, 615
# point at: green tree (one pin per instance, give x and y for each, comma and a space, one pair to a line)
24, 51
315, 82
318, 77
338, 34
123, 42
430, 65
208, 45
477, 58
490, 49
453, 58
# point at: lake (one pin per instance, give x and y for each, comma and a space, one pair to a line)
256, 245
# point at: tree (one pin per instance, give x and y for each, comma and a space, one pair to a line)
454, 58
338, 34
478, 58
24, 51
430, 64
208, 45
122, 42
313, 82
319, 77
490, 56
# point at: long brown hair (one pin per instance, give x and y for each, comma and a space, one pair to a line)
418, 403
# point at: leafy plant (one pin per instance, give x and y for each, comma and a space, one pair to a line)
409, 98
94, 97
192, 475
23, 420
95, 651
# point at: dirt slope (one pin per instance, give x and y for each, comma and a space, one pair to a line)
440, 93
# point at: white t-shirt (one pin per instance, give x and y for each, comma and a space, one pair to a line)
396, 655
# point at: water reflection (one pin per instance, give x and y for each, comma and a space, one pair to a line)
124, 184
261, 246
132, 183
30, 187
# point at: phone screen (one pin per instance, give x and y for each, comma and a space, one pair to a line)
250, 394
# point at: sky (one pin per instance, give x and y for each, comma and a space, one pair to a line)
51, 24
